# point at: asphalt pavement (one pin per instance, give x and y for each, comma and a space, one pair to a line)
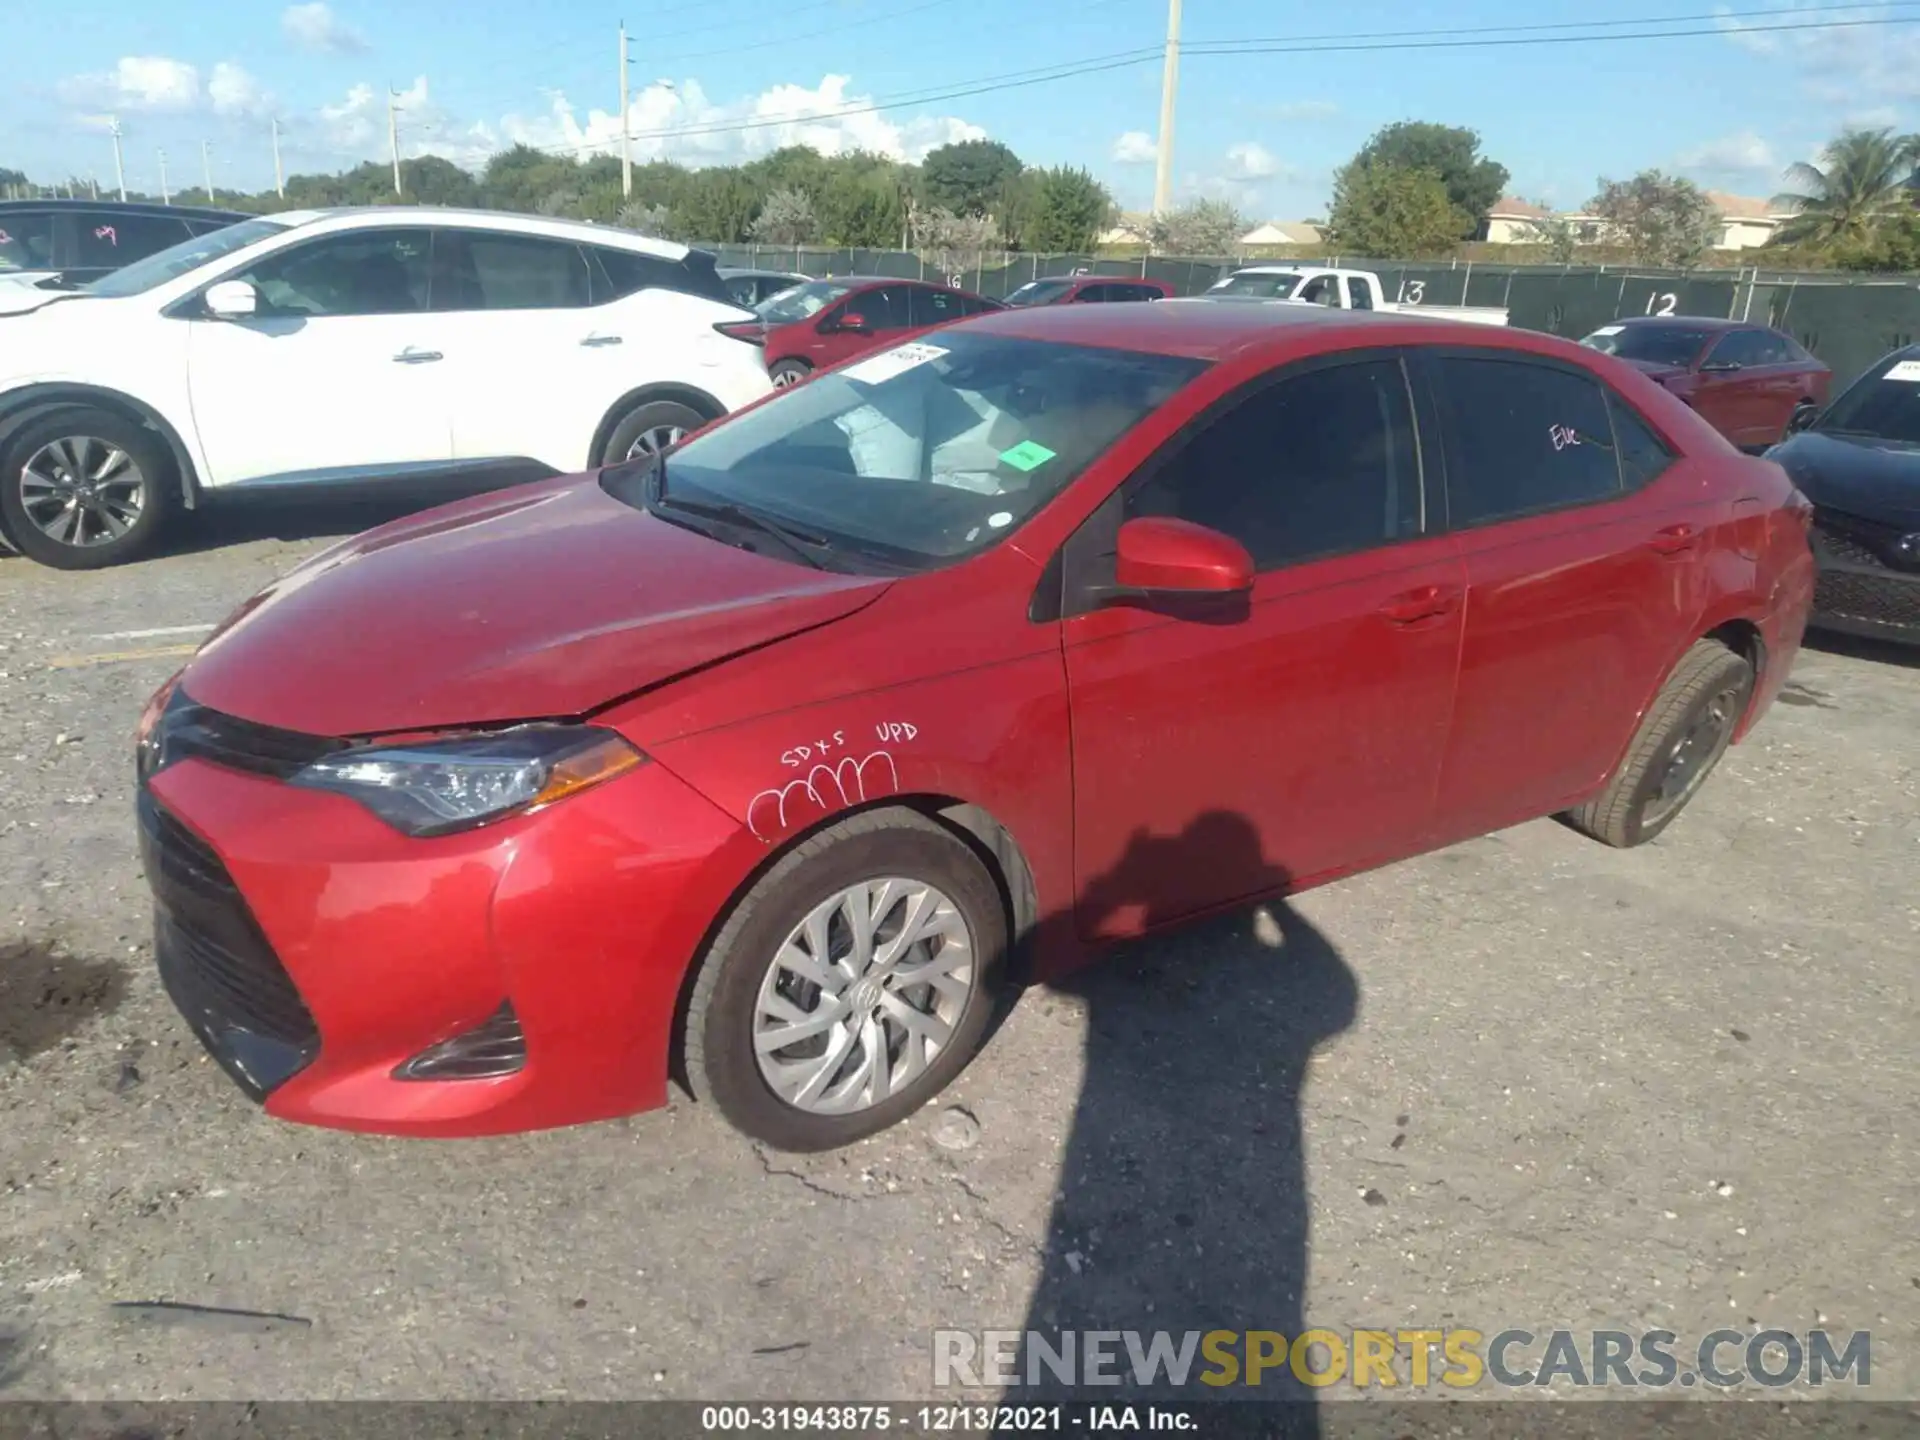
1524, 1082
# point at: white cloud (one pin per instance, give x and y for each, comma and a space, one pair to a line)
1135, 147
1303, 110
136, 82
1250, 160
1841, 65
315, 27
232, 91
1745, 153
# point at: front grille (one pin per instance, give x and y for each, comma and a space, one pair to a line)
215, 961
1857, 595
1851, 540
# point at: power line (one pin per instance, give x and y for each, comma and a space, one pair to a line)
1486, 37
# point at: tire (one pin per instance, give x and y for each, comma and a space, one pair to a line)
648, 427
724, 1066
1699, 707
1802, 416
121, 506
785, 373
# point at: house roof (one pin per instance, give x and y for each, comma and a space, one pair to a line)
1508, 207
1282, 232
1742, 207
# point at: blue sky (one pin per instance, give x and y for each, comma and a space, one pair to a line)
1730, 108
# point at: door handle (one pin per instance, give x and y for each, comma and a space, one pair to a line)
1673, 540
411, 356
1423, 603
598, 340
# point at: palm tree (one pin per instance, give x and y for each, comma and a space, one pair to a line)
1865, 177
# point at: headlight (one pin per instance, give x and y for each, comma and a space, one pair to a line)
459, 782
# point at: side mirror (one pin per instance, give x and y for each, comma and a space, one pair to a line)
232, 300
853, 324
1158, 557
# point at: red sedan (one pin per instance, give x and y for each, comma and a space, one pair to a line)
1753, 384
1089, 290
828, 322
1064, 625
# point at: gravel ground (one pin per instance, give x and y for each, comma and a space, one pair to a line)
1527, 1081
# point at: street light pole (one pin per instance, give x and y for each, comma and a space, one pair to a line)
626, 147
119, 167
1169, 82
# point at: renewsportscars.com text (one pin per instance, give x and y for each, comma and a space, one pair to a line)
1456, 1358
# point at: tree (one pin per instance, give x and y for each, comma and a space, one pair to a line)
1385, 209
1062, 211
1893, 245
431, 180
1661, 219
1558, 234
970, 178
1205, 227
644, 219
956, 242
1865, 178
786, 218
1473, 182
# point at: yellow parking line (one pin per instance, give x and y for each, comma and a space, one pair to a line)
115, 657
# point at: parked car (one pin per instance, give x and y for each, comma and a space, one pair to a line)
1063, 624
749, 287
1751, 382
1859, 462
1339, 290
828, 322
76, 241
1089, 290
347, 346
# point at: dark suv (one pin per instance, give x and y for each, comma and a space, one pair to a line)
81, 240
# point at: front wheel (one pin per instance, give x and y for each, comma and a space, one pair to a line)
786, 373
84, 488
650, 428
1685, 732
851, 984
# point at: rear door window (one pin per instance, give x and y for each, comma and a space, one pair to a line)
1522, 437
1360, 292
935, 307
26, 240
478, 270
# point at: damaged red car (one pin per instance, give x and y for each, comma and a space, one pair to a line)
772, 763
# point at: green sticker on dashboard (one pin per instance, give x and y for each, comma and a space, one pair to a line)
1027, 455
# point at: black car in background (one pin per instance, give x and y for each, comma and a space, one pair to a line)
750, 287
81, 240
1859, 463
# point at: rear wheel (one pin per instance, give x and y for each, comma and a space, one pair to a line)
1682, 737
788, 372
84, 488
851, 984
649, 429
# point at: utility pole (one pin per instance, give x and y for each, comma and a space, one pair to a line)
1169, 82
279, 175
165, 198
393, 135
93, 186
206, 169
119, 168
626, 149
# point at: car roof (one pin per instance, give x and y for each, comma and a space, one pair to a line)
1207, 330
1689, 322
729, 272
582, 231
124, 207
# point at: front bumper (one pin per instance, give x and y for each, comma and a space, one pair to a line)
316, 952
1858, 593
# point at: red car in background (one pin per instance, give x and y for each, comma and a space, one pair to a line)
1088, 290
826, 322
757, 760
1753, 384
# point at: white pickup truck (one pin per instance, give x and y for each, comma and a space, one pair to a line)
1342, 290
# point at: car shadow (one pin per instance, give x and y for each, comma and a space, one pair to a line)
1860, 647
1182, 1202
293, 519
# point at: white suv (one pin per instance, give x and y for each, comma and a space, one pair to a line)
344, 346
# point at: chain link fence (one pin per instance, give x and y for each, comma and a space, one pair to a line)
1849, 321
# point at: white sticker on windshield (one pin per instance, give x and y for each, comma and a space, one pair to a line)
889, 363
1908, 370
1609, 329
1000, 518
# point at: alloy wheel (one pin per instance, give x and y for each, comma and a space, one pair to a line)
82, 491
863, 995
783, 379
656, 441
1693, 752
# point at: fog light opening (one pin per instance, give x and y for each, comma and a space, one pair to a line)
495, 1048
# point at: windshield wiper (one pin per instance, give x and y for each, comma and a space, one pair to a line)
795, 542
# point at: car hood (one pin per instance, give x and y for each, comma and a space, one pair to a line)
1876, 481
22, 297
541, 602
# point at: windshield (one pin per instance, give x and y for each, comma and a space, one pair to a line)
1882, 405
802, 302
1656, 344
918, 455
1273, 285
1039, 292
176, 260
